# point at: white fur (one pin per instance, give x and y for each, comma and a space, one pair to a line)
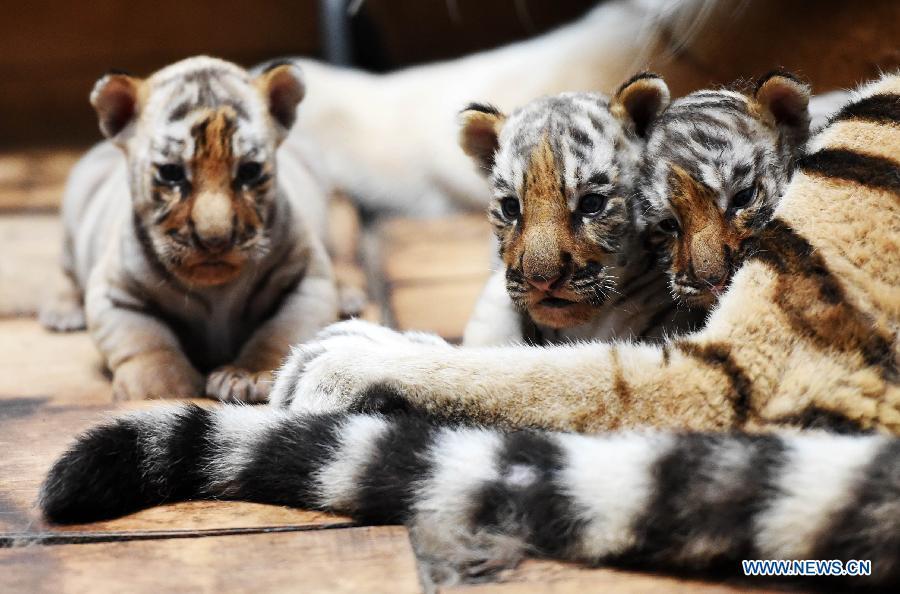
610, 482
338, 481
236, 434
416, 166
817, 480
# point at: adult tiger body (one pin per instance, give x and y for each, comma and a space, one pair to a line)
192, 245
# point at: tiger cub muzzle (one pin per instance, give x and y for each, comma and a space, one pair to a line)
557, 286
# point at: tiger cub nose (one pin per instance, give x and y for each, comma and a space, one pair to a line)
544, 283
213, 220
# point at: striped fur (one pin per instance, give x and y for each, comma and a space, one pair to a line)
477, 499
574, 264
805, 337
192, 245
715, 166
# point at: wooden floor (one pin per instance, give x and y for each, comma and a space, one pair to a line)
423, 275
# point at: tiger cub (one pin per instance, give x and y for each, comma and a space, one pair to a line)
192, 246
715, 164
563, 171
807, 335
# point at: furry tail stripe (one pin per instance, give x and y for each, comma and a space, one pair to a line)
476, 497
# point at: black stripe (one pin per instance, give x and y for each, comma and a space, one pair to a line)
180, 111
540, 507
814, 299
814, 417
188, 454
105, 474
287, 457
880, 108
255, 307
868, 170
399, 459
869, 525
718, 355
635, 78
772, 74
483, 108
276, 63
703, 496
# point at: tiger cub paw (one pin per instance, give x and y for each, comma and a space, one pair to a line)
63, 313
233, 384
160, 374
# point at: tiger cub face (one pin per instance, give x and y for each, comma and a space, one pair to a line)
715, 165
200, 138
562, 170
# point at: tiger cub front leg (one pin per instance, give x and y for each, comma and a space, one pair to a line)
156, 374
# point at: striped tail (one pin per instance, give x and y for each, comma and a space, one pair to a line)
477, 498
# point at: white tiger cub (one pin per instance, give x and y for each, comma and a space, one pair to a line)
575, 264
192, 245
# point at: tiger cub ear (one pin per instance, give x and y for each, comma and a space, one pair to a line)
282, 88
116, 99
641, 100
784, 98
480, 132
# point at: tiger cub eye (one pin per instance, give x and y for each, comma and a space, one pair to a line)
591, 204
510, 207
669, 226
170, 173
248, 172
743, 198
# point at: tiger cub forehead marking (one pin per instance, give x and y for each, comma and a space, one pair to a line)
584, 138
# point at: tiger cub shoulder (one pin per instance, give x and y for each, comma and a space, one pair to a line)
193, 247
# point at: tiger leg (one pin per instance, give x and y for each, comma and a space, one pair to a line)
143, 353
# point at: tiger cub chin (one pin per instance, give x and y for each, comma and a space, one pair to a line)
192, 246
715, 165
563, 170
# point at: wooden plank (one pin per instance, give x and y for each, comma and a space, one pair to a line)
63, 368
537, 576
443, 308
428, 250
352, 560
29, 258
34, 179
34, 433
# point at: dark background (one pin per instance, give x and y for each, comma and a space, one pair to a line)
52, 51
